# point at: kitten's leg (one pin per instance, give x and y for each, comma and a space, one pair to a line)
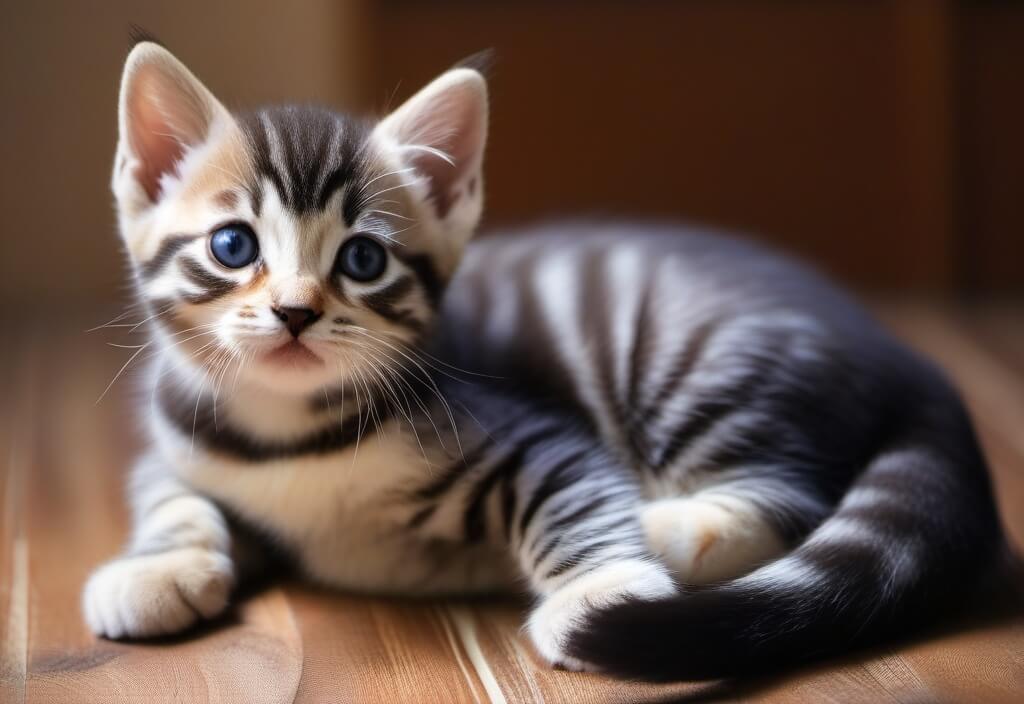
176, 568
711, 536
577, 536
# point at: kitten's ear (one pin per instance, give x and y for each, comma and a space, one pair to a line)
441, 132
164, 112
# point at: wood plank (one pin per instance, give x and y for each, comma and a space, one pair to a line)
523, 677
360, 649
999, 327
984, 660
70, 462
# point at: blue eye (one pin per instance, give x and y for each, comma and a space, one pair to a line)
361, 259
234, 246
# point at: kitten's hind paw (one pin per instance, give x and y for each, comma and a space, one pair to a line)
565, 610
159, 594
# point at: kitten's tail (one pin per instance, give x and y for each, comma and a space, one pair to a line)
917, 524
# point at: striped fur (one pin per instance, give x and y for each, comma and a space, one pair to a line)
700, 458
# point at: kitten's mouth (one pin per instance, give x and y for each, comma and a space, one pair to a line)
293, 353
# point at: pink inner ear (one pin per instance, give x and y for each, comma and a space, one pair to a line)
164, 118
461, 118
441, 177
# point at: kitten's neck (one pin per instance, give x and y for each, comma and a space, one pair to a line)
255, 423
255, 409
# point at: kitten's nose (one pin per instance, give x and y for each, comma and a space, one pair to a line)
296, 319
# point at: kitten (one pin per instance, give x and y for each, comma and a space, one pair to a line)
698, 457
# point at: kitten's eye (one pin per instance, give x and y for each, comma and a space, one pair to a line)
362, 259
234, 246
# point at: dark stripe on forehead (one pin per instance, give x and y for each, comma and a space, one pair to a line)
264, 166
307, 154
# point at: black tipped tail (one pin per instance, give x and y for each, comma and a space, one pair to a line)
918, 526
723, 632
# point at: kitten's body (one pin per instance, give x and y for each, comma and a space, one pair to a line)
593, 414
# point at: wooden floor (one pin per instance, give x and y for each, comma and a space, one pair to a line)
63, 456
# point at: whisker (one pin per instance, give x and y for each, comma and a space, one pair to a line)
422, 353
142, 322
389, 213
120, 372
132, 309
385, 175
403, 353
390, 188
399, 378
113, 322
429, 150
428, 379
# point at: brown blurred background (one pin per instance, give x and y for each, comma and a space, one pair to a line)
882, 140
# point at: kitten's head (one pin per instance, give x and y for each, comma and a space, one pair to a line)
298, 243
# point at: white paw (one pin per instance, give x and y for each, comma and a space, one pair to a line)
682, 532
566, 610
159, 594
705, 541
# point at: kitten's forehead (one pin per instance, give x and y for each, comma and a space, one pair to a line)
307, 154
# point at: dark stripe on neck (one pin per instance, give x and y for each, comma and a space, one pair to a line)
216, 435
336, 397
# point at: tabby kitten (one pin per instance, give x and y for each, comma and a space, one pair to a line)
698, 457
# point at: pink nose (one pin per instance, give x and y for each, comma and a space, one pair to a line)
296, 319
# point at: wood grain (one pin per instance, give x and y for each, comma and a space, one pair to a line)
63, 458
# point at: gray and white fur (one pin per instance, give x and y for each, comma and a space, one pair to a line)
698, 457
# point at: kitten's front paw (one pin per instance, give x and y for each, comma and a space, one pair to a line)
159, 594
565, 610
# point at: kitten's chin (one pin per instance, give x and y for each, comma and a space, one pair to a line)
289, 379
291, 355
290, 368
